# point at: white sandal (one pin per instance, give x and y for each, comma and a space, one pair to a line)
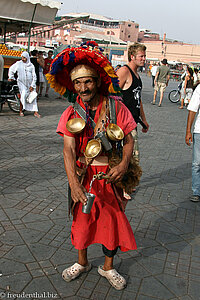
114, 278
74, 271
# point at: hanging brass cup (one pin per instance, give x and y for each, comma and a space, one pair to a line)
93, 148
75, 125
114, 132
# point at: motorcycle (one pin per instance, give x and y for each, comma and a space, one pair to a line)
9, 92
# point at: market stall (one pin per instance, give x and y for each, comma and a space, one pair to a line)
20, 16
9, 56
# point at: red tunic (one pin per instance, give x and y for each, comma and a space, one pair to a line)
106, 224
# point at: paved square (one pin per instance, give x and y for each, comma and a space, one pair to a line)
35, 241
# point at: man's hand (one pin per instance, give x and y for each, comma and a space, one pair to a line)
117, 173
77, 189
142, 115
145, 130
188, 138
78, 193
190, 120
31, 89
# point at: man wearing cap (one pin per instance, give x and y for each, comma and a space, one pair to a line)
161, 81
87, 72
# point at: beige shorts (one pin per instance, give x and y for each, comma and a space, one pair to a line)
160, 86
188, 95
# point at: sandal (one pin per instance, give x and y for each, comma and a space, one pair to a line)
114, 278
21, 114
37, 115
74, 271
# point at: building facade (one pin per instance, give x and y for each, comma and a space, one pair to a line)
68, 34
113, 35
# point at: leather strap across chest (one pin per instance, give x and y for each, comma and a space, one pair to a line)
82, 113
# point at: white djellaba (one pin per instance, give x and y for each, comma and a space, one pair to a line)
26, 78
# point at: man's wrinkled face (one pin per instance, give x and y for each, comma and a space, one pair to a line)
139, 59
86, 88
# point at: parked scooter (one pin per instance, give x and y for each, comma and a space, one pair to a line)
9, 92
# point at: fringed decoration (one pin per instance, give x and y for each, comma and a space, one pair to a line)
55, 85
57, 65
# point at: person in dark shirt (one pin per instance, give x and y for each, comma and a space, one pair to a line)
188, 87
131, 85
47, 64
34, 61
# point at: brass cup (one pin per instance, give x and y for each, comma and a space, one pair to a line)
93, 148
114, 132
75, 125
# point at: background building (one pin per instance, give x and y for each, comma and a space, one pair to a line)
113, 35
113, 31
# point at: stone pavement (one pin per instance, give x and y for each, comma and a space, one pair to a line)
35, 232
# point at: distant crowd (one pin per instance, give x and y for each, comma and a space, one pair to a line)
42, 67
190, 78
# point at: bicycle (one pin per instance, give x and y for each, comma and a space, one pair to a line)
174, 95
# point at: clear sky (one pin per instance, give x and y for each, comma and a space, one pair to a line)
178, 18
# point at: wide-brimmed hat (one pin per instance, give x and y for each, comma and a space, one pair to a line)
87, 54
164, 61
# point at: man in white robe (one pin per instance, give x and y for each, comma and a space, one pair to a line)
26, 81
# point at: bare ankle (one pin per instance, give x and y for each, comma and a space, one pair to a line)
83, 263
107, 268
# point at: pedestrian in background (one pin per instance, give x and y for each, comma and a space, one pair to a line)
153, 73
196, 76
161, 81
40, 61
47, 64
188, 87
34, 61
131, 85
194, 107
182, 93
